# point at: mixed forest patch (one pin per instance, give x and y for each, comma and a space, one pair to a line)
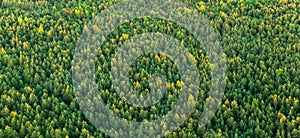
261, 40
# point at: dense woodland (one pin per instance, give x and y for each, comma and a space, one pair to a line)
261, 41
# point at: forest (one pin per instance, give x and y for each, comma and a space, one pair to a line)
261, 41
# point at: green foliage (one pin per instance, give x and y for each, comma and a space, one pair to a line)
259, 38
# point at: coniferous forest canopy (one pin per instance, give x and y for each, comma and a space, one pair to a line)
261, 41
